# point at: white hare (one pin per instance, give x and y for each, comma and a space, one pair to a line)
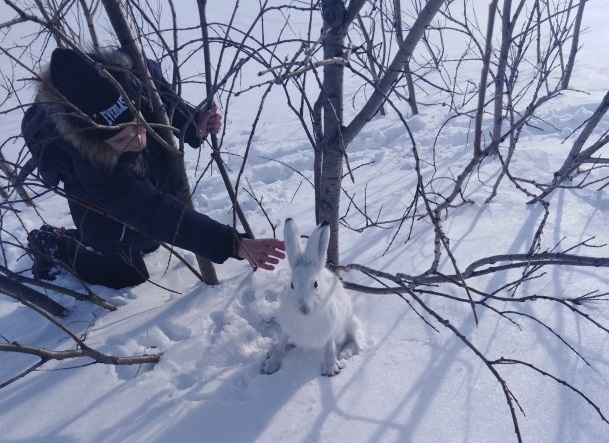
316, 311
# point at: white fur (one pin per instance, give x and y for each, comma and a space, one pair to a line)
316, 311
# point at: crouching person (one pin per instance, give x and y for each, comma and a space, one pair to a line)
88, 141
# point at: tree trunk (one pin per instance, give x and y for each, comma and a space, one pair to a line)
486, 60
397, 24
333, 13
574, 44
506, 40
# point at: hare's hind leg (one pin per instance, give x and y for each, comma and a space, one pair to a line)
275, 356
331, 365
351, 346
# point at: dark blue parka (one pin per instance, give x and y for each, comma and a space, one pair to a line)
121, 201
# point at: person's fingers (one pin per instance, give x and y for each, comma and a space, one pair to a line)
214, 123
210, 121
267, 258
263, 253
272, 261
272, 254
274, 243
276, 253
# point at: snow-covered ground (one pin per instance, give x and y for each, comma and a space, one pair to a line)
410, 383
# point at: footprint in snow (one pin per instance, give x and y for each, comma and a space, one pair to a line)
220, 321
174, 331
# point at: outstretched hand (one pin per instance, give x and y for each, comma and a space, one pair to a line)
209, 121
262, 253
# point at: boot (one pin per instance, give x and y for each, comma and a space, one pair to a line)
44, 244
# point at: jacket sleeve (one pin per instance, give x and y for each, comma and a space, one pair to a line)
184, 115
160, 216
47, 149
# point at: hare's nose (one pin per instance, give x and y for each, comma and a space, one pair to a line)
304, 309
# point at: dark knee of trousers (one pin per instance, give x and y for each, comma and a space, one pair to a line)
130, 273
115, 270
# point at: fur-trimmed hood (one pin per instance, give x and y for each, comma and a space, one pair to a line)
97, 151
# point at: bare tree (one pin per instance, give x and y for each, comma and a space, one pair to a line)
336, 134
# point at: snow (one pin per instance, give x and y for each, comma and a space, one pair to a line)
410, 383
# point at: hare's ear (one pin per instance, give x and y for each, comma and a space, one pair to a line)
292, 242
317, 246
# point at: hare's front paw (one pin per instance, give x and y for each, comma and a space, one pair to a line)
330, 369
274, 358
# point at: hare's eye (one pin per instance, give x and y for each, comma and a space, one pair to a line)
292, 285
315, 285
